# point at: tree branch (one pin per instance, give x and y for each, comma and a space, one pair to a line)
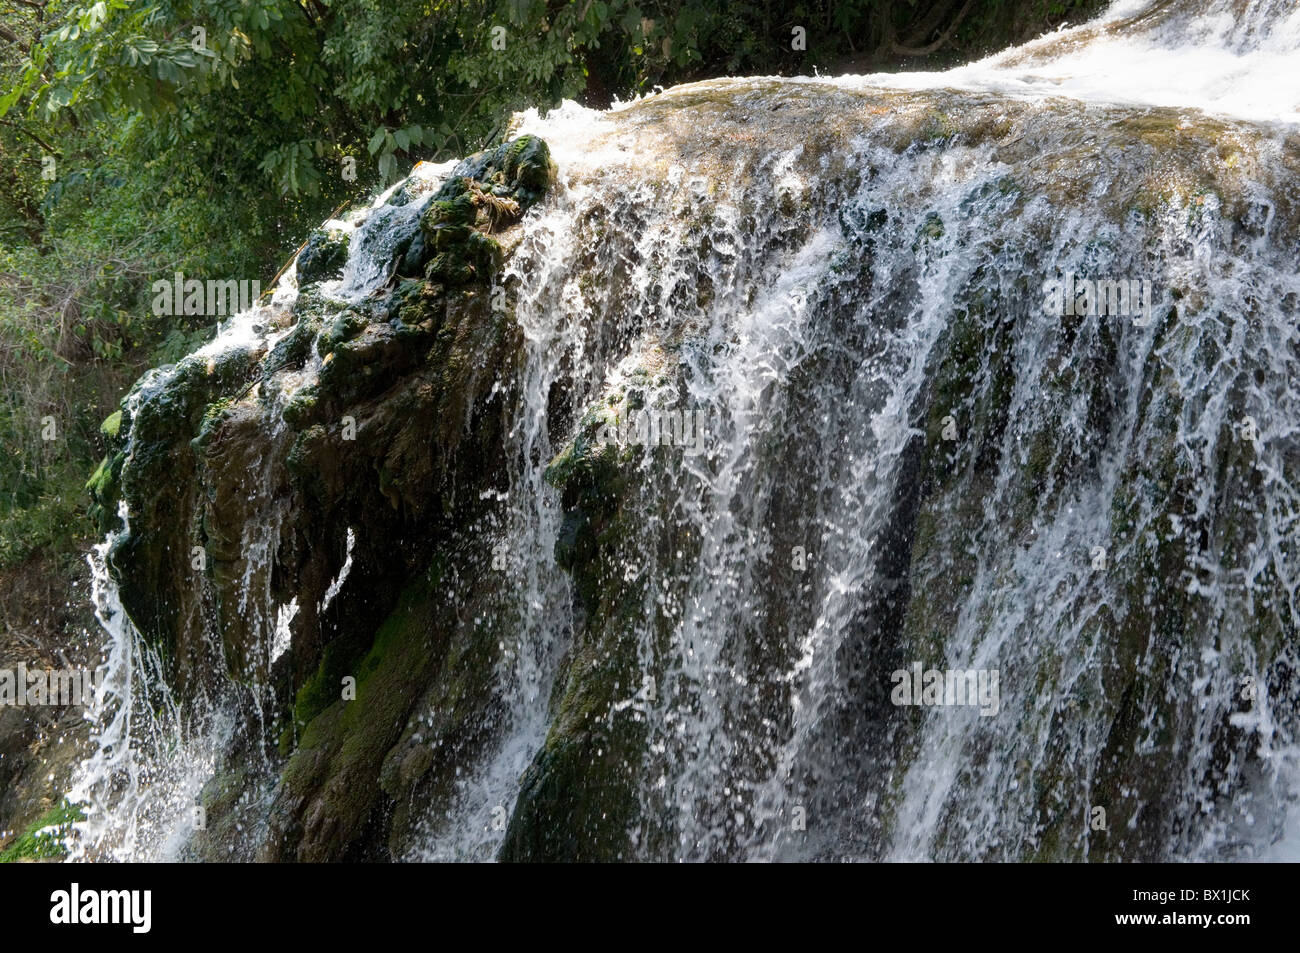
933, 20
943, 39
12, 37
31, 135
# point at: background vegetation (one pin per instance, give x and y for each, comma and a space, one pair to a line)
143, 137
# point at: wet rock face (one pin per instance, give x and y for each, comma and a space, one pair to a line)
200, 452
905, 457
322, 257
243, 471
160, 569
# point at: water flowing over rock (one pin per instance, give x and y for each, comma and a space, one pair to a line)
582, 500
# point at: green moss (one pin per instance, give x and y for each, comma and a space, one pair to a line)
103, 485
528, 166
341, 751
101, 478
112, 424
466, 258
323, 688
300, 410
585, 456
104, 491
343, 328
487, 190
414, 303
213, 415
44, 839
579, 799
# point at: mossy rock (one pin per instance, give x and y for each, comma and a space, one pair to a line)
522, 167
329, 788
292, 351
44, 839
104, 484
112, 425
323, 257
342, 329
162, 416
486, 192
104, 491
300, 410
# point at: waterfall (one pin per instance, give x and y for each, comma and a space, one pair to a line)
869, 445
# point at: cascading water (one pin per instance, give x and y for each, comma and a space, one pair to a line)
874, 445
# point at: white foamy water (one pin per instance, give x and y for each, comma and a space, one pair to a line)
1237, 58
